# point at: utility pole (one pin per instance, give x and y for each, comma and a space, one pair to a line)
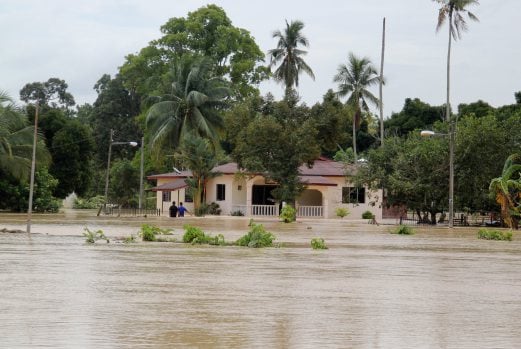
142, 170
33, 167
381, 88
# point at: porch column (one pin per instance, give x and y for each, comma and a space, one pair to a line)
249, 191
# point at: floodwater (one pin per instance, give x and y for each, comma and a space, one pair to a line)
370, 289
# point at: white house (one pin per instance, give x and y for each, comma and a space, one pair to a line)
326, 190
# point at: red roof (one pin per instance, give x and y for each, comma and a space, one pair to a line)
321, 167
171, 186
316, 180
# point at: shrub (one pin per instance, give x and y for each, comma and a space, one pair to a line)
288, 214
237, 213
129, 239
403, 230
217, 240
93, 236
194, 235
90, 203
341, 212
494, 235
149, 232
256, 237
318, 244
367, 215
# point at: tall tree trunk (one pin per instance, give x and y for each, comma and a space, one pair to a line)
381, 88
354, 136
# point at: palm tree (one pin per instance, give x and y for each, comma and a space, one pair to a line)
289, 56
353, 80
192, 106
16, 140
196, 154
453, 10
507, 189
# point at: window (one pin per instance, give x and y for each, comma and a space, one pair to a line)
351, 195
166, 196
221, 192
188, 195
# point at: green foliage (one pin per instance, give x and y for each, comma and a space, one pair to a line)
48, 93
367, 215
90, 203
150, 232
194, 235
341, 212
43, 189
256, 237
93, 236
275, 139
403, 230
318, 244
72, 159
217, 240
415, 115
237, 213
290, 57
288, 214
124, 183
494, 235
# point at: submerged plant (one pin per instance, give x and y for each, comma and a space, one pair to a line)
256, 237
318, 244
148, 232
93, 236
403, 230
494, 235
288, 214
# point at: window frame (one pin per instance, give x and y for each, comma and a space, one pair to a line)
220, 192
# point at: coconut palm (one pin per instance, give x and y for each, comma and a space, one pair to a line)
192, 106
354, 79
197, 154
507, 189
289, 56
16, 140
454, 11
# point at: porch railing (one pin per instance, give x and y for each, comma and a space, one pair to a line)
257, 210
310, 211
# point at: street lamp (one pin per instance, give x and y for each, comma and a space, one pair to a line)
426, 133
111, 143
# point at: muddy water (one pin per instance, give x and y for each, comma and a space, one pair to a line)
371, 289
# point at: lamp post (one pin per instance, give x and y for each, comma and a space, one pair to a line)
451, 166
111, 143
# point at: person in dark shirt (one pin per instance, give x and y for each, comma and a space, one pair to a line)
182, 210
173, 210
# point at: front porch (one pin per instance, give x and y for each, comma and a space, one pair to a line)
274, 211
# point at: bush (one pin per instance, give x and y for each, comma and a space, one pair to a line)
288, 214
194, 235
217, 240
149, 232
93, 236
129, 239
318, 244
237, 213
403, 230
367, 215
90, 203
494, 235
256, 237
341, 212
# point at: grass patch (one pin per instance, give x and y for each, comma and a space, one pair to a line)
256, 237
403, 230
318, 244
494, 235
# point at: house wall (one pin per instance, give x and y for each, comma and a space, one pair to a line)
333, 196
177, 196
231, 192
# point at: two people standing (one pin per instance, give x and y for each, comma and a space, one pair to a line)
177, 211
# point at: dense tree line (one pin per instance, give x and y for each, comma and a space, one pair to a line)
193, 95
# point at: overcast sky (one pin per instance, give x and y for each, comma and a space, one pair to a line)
81, 40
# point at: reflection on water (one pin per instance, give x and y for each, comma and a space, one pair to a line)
371, 289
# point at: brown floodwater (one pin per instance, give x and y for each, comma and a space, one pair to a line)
370, 289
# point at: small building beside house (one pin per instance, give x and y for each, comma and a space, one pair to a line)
327, 189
